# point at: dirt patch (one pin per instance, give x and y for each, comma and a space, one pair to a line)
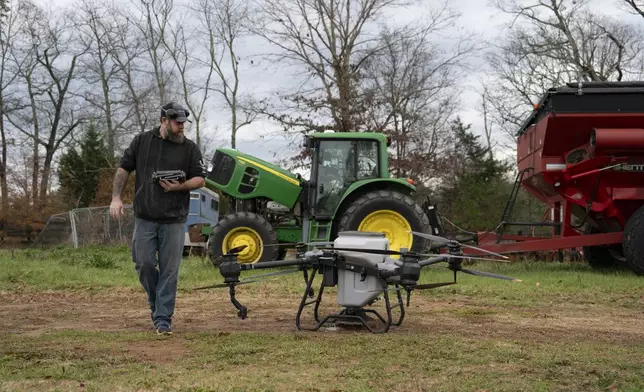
161, 351
126, 310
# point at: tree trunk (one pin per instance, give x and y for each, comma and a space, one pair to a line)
108, 114
233, 138
46, 170
36, 138
4, 188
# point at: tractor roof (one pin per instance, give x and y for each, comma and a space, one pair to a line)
349, 135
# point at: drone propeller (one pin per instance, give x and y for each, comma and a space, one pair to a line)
384, 252
251, 279
455, 265
431, 285
487, 274
444, 240
389, 252
432, 260
299, 244
236, 250
220, 285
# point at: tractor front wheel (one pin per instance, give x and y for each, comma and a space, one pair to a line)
632, 241
243, 228
389, 212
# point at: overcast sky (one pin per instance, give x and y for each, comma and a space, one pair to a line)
477, 16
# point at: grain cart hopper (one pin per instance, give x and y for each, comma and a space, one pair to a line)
350, 189
581, 151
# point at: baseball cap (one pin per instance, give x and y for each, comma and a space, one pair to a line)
176, 112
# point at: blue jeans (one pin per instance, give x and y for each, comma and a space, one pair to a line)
166, 241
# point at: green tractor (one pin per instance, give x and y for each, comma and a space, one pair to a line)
350, 189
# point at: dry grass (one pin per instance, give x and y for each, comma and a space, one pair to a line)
78, 321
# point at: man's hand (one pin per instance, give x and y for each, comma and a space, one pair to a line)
116, 208
171, 185
120, 179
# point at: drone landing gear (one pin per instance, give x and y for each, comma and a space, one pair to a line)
349, 316
242, 311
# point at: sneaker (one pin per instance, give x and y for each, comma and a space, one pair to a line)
164, 329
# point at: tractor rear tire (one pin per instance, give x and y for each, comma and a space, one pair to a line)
243, 228
633, 242
398, 213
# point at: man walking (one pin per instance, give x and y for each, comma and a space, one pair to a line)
160, 206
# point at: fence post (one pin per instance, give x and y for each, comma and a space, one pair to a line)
108, 234
72, 221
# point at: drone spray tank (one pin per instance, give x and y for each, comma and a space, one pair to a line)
355, 289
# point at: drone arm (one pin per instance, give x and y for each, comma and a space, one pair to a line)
272, 264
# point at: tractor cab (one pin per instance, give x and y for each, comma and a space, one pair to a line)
338, 161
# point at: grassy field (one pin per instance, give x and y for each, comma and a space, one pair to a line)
78, 320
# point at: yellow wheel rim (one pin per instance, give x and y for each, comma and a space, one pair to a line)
244, 236
392, 224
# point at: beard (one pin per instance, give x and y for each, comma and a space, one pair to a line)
175, 137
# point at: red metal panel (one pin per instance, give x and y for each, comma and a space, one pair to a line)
617, 140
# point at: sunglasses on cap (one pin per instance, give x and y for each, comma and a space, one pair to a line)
180, 115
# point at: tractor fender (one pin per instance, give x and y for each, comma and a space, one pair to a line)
359, 188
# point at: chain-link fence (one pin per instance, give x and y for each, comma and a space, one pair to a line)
87, 226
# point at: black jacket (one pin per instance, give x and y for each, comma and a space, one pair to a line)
149, 152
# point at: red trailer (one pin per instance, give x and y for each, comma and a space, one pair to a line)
581, 151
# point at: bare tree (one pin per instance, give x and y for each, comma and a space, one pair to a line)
488, 123
5, 7
97, 30
409, 90
222, 23
129, 52
635, 6
155, 16
8, 74
595, 46
328, 42
550, 43
24, 53
52, 115
181, 43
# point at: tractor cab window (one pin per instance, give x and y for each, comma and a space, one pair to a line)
367, 160
339, 164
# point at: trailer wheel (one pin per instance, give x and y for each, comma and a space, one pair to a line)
243, 228
633, 241
599, 257
389, 212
